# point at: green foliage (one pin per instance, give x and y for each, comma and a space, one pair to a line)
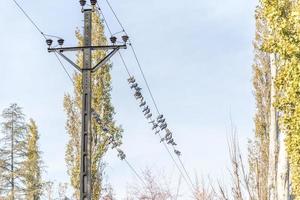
259, 150
12, 155
101, 88
32, 164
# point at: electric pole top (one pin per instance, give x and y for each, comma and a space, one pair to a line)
86, 70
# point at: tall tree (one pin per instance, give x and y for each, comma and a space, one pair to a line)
283, 44
32, 164
101, 103
259, 149
12, 151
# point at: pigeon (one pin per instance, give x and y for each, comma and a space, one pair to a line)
105, 129
134, 85
168, 137
170, 141
154, 126
149, 116
162, 139
121, 154
143, 103
160, 117
131, 80
168, 133
178, 153
147, 112
156, 132
161, 121
145, 109
163, 126
173, 143
138, 89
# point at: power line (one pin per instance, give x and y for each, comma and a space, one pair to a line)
30, 19
44, 36
125, 65
64, 68
104, 19
168, 150
146, 82
135, 172
111, 8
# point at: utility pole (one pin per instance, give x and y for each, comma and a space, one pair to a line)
87, 70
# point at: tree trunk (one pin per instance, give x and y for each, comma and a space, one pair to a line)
282, 171
273, 134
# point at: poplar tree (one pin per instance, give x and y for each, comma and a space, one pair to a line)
259, 157
12, 153
32, 164
101, 103
282, 17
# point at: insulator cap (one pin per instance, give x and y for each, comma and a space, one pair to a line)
93, 2
113, 39
125, 38
82, 2
61, 42
49, 42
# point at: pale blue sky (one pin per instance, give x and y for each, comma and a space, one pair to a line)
197, 57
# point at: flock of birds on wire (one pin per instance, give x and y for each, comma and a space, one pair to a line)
159, 123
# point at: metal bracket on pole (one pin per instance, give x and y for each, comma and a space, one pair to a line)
114, 48
81, 48
70, 61
104, 60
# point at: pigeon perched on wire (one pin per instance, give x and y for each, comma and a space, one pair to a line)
138, 89
121, 154
178, 153
154, 126
163, 126
131, 80
160, 117
149, 116
135, 85
143, 103
146, 108
168, 136
161, 121
147, 112
138, 95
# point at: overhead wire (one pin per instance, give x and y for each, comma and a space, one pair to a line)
135, 56
135, 172
146, 82
64, 68
43, 35
121, 156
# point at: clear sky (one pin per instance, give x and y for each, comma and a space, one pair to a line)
196, 54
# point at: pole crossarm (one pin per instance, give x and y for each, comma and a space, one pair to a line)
114, 48
101, 47
69, 60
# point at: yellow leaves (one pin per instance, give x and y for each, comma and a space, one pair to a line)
101, 87
283, 21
